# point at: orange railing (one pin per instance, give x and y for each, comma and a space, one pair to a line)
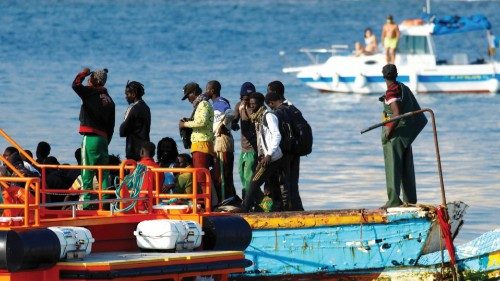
40, 188
206, 195
26, 206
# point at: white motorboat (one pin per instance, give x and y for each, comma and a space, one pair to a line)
417, 62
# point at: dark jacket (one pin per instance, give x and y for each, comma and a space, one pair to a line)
136, 128
97, 113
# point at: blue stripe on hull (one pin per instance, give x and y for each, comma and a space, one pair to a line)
351, 79
319, 80
406, 79
454, 78
336, 248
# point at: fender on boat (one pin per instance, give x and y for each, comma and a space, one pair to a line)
359, 81
493, 85
226, 233
30, 249
335, 81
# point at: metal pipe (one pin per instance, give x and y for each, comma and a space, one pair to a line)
73, 211
436, 144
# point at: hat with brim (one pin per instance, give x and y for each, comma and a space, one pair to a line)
189, 88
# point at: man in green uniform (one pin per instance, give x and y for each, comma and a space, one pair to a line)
397, 138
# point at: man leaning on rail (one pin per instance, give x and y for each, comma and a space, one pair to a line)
397, 138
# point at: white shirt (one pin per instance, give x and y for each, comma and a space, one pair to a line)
269, 137
30, 168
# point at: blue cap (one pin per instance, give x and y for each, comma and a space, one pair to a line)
247, 88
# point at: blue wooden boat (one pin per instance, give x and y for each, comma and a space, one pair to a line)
401, 243
316, 244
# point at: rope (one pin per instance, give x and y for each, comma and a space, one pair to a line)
133, 183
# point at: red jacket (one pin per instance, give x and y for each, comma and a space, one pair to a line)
149, 180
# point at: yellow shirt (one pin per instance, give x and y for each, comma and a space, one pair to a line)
202, 123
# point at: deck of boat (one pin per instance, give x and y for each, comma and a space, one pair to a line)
140, 266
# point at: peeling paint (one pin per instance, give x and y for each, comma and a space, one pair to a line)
333, 242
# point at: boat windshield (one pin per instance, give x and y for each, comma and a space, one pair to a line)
413, 45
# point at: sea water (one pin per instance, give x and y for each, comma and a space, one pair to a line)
165, 44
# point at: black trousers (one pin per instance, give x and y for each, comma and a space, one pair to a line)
269, 175
289, 179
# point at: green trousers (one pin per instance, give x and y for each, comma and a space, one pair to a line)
246, 169
94, 152
399, 173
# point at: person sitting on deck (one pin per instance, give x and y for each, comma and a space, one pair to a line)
14, 194
56, 179
147, 153
42, 152
27, 163
12, 155
167, 155
370, 46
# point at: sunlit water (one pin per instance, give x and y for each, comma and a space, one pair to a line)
165, 44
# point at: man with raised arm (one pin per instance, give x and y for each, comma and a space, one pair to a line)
97, 123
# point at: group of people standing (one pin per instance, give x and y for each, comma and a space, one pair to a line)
263, 158
208, 135
270, 153
267, 154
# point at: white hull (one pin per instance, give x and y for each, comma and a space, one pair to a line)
416, 63
349, 74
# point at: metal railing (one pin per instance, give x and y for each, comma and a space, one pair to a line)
19, 192
436, 144
41, 190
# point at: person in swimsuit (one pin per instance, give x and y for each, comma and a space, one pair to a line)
370, 46
390, 37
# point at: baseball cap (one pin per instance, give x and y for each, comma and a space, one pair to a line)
247, 88
189, 88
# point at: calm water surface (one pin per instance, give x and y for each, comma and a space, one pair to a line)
165, 44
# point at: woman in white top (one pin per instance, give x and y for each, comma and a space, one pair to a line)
370, 46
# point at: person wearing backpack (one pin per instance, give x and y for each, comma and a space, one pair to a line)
269, 156
290, 160
296, 142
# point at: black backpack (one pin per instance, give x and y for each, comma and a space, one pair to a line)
301, 130
296, 133
287, 142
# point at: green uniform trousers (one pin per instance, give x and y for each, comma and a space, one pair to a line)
246, 169
94, 152
399, 173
